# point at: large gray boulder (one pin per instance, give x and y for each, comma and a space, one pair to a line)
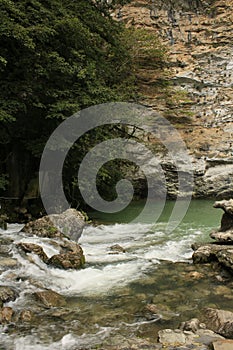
70, 223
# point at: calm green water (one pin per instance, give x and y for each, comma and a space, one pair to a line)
199, 212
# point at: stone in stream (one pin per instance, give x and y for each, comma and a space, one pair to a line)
222, 250
7, 294
50, 298
69, 223
67, 260
33, 248
6, 314
225, 233
220, 321
6, 263
116, 248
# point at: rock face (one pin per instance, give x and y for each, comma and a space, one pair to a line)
69, 223
222, 250
198, 36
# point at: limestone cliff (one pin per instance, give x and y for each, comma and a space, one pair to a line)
198, 35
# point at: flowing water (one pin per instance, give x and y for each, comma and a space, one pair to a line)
106, 301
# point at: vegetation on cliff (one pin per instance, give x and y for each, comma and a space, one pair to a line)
59, 57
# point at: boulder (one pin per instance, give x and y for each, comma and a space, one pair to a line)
220, 321
69, 223
226, 205
207, 253
25, 316
67, 260
153, 311
33, 248
6, 263
178, 337
6, 314
49, 298
7, 294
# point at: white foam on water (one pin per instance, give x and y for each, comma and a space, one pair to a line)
67, 342
105, 270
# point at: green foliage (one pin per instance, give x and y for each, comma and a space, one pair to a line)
57, 57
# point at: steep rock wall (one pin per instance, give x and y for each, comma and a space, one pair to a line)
198, 35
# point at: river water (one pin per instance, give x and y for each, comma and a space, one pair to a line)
106, 300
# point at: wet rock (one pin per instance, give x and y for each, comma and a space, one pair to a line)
223, 237
163, 312
33, 248
7, 294
223, 345
67, 260
50, 298
171, 337
220, 321
6, 263
225, 257
225, 233
207, 253
178, 337
42, 227
6, 314
25, 316
116, 248
70, 246
226, 205
193, 325
194, 275
69, 223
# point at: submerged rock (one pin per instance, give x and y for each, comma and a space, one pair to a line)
69, 223
50, 298
163, 312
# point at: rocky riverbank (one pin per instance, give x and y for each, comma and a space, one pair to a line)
153, 317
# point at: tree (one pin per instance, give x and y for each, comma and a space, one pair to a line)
57, 57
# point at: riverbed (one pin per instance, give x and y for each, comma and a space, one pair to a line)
107, 301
